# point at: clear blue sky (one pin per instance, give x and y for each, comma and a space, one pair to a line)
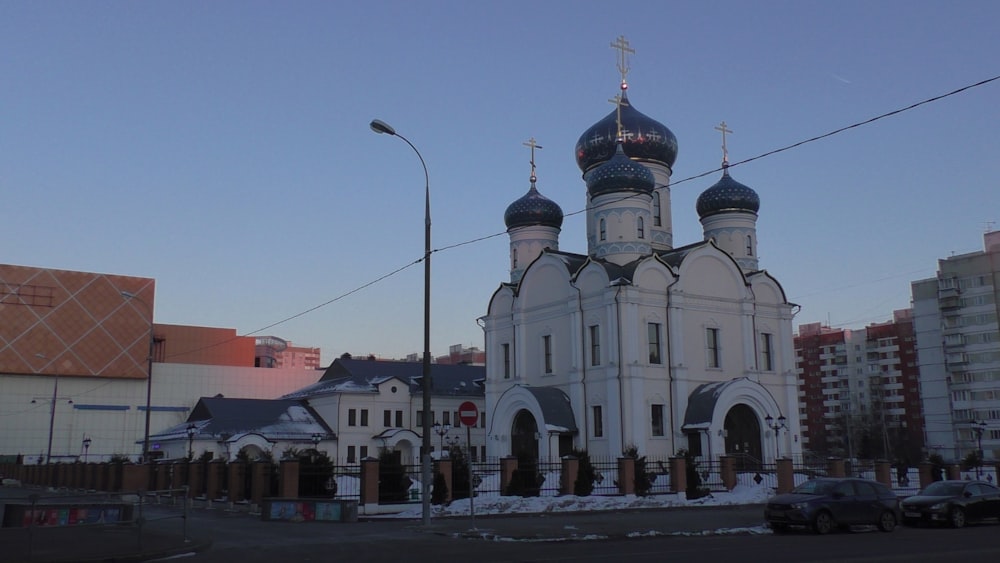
223, 147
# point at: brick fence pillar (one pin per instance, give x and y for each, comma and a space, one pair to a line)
135, 477
727, 469
786, 476
508, 465
567, 477
626, 475
883, 472
678, 474
288, 478
237, 480
443, 466
926, 469
954, 472
195, 478
835, 467
369, 481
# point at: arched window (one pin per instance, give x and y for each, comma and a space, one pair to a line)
641, 228
604, 230
656, 209
513, 258
749, 246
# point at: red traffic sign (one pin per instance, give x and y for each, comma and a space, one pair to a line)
468, 413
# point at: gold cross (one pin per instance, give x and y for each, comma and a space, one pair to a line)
534, 145
725, 152
619, 102
621, 44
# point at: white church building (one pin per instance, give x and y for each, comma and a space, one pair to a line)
639, 343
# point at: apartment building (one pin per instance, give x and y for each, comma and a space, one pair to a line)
958, 350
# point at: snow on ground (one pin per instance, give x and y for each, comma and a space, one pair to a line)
497, 504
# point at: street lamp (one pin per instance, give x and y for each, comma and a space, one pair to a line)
776, 425
86, 448
316, 439
149, 372
382, 127
191, 432
979, 427
52, 410
442, 431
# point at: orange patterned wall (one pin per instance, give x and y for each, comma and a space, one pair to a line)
60, 322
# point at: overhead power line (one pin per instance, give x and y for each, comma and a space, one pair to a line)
688, 179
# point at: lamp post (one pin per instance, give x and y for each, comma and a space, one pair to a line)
191, 432
52, 416
776, 425
442, 431
86, 448
316, 439
149, 372
382, 127
979, 427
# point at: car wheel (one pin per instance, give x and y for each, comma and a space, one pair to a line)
887, 521
823, 523
956, 517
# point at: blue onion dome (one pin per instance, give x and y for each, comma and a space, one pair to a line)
533, 209
645, 139
619, 174
727, 195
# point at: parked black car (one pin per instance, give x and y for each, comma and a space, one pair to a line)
827, 503
953, 503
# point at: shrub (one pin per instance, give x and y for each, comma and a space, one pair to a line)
643, 480
586, 475
439, 494
694, 489
393, 482
937, 467
459, 473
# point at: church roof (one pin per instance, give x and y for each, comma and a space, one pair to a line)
645, 139
281, 419
348, 375
727, 195
533, 209
556, 409
701, 403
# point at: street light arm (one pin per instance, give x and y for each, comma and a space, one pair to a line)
425, 470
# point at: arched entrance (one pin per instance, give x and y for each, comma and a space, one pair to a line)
524, 438
742, 431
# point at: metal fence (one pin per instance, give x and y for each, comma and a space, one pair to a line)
33, 521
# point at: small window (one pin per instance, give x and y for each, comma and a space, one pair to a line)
767, 351
446, 417
351, 457
482, 420
352, 417
595, 345
604, 230
364, 417
749, 246
399, 419
506, 360
364, 452
547, 352
641, 228
712, 344
387, 419
656, 414
656, 209
513, 256
420, 419
653, 331
598, 422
